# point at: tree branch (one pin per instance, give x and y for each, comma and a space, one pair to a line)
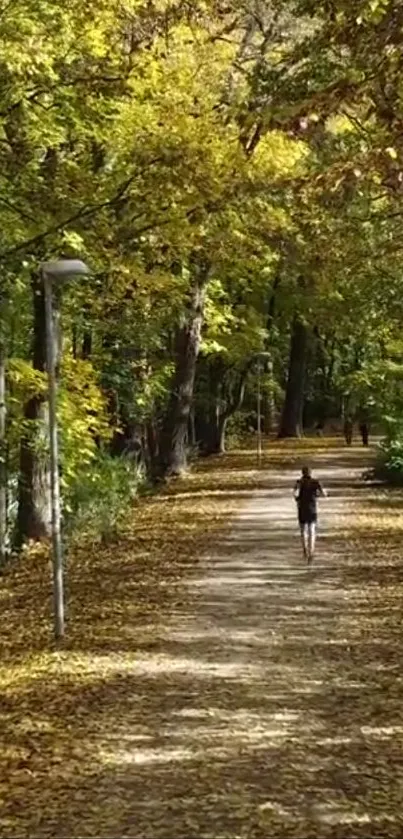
79, 215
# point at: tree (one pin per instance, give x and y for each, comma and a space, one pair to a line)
232, 177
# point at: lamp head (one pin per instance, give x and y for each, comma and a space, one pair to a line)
62, 269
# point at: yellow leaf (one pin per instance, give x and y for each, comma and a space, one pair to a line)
392, 152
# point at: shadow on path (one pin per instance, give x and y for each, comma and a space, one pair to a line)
270, 707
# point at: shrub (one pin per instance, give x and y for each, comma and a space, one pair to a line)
99, 500
389, 465
238, 429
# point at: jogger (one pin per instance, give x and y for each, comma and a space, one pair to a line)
306, 491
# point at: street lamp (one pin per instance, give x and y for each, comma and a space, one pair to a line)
259, 413
56, 272
260, 358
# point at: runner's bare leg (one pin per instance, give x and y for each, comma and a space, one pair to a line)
312, 540
304, 539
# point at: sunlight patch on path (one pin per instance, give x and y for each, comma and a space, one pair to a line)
266, 707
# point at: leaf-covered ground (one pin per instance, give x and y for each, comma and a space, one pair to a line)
211, 685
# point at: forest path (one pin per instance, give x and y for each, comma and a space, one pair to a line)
272, 702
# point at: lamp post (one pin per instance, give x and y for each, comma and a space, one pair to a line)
260, 359
259, 413
56, 272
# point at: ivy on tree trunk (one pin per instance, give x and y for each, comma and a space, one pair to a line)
33, 515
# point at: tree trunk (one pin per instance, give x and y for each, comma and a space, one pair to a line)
220, 432
291, 420
192, 429
86, 349
74, 341
174, 431
152, 443
232, 396
213, 436
34, 511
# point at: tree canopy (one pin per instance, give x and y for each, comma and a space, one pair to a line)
231, 173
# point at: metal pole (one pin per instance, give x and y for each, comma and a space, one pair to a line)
57, 557
259, 418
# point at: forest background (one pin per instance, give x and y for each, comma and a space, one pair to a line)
232, 174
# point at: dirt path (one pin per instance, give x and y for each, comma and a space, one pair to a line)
273, 706
279, 721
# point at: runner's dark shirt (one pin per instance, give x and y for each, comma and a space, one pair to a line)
308, 491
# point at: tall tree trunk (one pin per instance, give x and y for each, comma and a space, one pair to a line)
192, 429
213, 435
291, 420
221, 429
232, 394
74, 341
86, 349
34, 512
152, 442
172, 454
210, 373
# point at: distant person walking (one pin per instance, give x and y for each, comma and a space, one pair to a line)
348, 430
306, 492
320, 428
364, 431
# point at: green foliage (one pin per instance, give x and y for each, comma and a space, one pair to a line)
389, 466
238, 429
99, 499
83, 418
137, 136
24, 381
